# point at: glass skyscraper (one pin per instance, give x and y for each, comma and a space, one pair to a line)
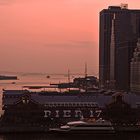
119, 31
135, 70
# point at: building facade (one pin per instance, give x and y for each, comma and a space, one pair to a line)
119, 30
25, 108
135, 70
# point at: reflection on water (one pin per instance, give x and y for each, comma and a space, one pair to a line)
81, 137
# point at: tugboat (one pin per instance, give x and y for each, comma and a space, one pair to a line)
99, 126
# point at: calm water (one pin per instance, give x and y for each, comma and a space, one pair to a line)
26, 80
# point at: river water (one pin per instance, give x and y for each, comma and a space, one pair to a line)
41, 80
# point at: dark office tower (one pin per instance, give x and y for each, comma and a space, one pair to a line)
119, 30
135, 70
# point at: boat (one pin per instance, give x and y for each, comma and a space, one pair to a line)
4, 77
99, 126
48, 76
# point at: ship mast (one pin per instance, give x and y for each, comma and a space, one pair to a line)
86, 77
69, 79
85, 70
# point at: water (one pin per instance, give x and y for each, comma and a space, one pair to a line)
33, 80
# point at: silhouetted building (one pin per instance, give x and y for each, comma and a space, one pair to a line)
119, 30
135, 69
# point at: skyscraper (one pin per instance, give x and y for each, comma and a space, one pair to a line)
119, 30
135, 70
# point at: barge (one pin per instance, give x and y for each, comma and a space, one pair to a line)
4, 77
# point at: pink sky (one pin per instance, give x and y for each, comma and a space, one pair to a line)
51, 35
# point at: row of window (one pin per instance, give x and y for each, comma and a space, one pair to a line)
11, 96
72, 104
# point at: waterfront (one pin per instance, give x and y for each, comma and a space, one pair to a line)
29, 80
42, 80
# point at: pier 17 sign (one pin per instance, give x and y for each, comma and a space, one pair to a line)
72, 113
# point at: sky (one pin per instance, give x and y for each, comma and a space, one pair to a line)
52, 36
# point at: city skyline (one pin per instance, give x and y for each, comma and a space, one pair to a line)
51, 36
119, 32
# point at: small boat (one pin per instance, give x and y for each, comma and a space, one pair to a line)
48, 76
99, 126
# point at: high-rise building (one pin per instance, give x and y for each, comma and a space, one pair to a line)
135, 70
119, 30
